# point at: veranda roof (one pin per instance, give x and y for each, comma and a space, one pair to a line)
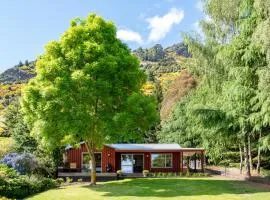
147, 147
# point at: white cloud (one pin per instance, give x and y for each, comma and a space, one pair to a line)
160, 26
199, 5
129, 36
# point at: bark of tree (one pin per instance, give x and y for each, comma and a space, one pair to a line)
249, 154
247, 166
258, 168
91, 151
195, 162
241, 158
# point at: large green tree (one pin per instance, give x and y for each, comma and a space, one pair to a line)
88, 87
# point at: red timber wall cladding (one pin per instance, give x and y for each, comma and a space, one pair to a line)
109, 156
75, 155
176, 161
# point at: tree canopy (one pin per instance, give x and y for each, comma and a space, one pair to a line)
88, 87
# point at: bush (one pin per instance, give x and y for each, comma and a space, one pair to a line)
24, 163
80, 180
145, 173
159, 174
5, 142
13, 185
7, 172
170, 174
119, 172
69, 180
59, 181
24, 186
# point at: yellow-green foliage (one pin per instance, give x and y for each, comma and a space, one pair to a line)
29, 69
7, 92
5, 145
166, 78
148, 88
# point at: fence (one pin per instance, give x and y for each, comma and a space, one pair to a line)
235, 173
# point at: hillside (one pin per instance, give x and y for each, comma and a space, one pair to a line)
157, 60
20, 73
162, 65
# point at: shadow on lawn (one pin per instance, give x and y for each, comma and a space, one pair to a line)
173, 187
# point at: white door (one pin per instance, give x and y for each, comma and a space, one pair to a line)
127, 163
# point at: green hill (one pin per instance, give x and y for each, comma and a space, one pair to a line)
163, 64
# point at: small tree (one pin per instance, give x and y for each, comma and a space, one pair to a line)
20, 63
26, 63
88, 87
17, 128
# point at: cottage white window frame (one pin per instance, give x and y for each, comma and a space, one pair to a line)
165, 160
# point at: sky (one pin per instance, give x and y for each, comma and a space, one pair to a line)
26, 26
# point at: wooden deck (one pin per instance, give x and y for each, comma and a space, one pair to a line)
84, 174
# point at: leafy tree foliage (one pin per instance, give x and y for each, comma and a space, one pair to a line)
88, 87
231, 66
18, 130
155, 53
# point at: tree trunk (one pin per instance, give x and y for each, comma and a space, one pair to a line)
93, 168
195, 162
91, 151
258, 168
247, 166
249, 154
241, 159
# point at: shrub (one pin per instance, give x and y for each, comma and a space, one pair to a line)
7, 172
13, 185
188, 173
24, 186
59, 181
145, 173
69, 180
119, 172
5, 142
170, 174
9, 159
24, 163
159, 174
80, 180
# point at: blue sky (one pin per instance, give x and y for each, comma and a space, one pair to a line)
27, 25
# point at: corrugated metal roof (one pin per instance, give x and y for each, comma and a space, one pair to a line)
145, 146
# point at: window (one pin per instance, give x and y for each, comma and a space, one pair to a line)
86, 162
161, 160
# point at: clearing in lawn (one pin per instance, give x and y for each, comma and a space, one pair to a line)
160, 188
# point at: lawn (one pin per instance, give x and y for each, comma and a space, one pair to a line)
160, 188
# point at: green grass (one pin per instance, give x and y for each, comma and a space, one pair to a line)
160, 188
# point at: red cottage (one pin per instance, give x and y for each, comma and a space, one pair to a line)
133, 158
